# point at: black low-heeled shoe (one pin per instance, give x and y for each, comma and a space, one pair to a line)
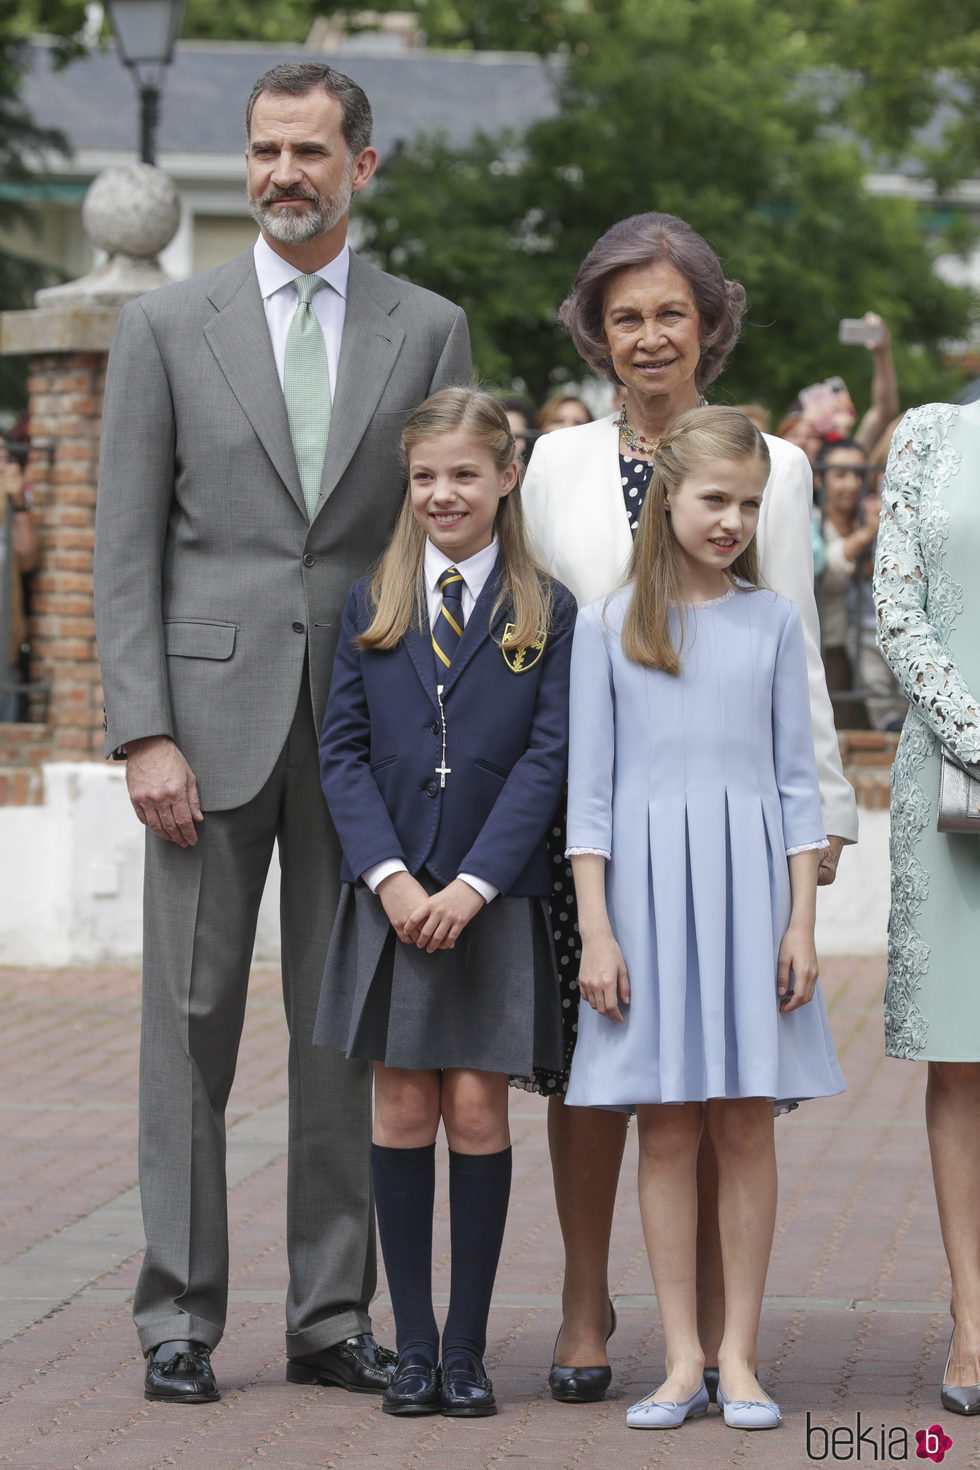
711, 1381
959, 1400
580, 1385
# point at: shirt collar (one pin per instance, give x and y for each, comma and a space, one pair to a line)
273, 272
474, 570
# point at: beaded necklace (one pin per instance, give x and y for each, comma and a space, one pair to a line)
636, 441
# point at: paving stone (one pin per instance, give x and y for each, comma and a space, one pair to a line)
858, 1289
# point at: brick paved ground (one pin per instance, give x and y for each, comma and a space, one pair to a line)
856, 1321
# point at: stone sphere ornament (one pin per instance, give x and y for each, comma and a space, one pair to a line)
132, 210
131, 213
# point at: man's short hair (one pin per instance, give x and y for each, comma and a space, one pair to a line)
297, 78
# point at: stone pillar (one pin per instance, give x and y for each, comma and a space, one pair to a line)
66, 405
65, 388
132, 214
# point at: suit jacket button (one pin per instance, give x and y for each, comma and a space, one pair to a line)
434, 727
432, 789
309, 561
299, 628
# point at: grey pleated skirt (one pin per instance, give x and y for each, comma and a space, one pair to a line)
490, 1004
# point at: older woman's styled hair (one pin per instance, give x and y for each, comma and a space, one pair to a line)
645, 239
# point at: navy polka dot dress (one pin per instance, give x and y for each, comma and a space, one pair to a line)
635, 475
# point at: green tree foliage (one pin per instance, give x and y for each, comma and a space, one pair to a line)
20, 139
483, 25
699, 108
274, 21
917, 72
913, 69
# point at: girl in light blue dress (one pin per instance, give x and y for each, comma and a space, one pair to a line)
695, 832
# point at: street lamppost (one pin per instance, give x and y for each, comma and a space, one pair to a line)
146, 31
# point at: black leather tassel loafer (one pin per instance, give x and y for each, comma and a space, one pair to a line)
179, 1372
357, 1364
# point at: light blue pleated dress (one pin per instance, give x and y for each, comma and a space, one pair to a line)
697, 785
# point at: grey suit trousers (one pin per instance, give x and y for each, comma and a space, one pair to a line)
200, 912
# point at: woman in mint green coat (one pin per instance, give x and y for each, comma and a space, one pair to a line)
927, 592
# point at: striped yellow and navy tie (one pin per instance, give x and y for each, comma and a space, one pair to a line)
447, 628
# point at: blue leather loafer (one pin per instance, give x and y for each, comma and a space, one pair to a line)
466, 1391
413, 1389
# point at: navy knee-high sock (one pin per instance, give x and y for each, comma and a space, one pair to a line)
404, 1190
479, 1192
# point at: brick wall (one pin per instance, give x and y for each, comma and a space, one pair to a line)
66, 408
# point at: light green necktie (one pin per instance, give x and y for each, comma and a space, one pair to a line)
306, 389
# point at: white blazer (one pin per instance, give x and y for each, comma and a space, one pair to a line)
573, 500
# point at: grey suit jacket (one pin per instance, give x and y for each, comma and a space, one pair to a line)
210, 582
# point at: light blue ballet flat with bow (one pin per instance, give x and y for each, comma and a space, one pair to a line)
750, 1413
665, 1414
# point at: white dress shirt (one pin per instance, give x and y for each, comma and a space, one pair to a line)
474, 571
276, 276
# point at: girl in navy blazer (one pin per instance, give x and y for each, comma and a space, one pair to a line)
442, 758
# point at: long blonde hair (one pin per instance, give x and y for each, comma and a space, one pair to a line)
398, 586
699, 435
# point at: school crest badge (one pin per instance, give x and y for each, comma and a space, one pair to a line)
519, 660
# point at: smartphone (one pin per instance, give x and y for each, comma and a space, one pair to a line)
828, 406
854, 331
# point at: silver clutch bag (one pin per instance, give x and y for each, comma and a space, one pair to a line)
959, 796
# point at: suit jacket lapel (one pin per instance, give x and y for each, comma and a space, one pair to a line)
238, 335
368, 350
418, 646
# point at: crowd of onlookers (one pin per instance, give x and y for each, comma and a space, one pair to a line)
848, 461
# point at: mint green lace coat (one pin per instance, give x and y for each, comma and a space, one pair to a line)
927, 594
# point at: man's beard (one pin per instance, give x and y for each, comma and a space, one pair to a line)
295, 227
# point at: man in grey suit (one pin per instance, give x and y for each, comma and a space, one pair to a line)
231, 523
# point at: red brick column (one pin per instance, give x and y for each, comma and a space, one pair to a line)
66, 410
66, 344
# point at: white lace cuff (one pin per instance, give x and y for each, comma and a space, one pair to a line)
808, 847
587, 852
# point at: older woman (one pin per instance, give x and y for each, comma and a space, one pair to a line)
652, 310
927, 590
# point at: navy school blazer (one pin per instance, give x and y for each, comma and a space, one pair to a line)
506, 748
